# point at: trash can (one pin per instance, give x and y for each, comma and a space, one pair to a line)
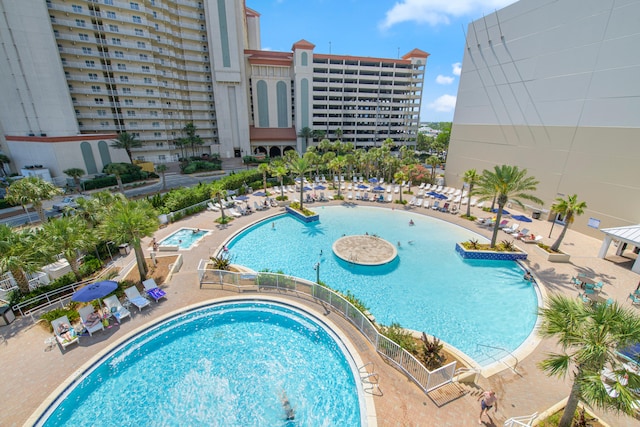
124, 249
6, 315
535, 215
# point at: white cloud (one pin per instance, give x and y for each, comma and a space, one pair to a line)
434, 12
457, 68
444, 104
444, 80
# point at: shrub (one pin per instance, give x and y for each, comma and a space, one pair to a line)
431, 353
400, 336
220, 262
90, 266
69, 311
305, 211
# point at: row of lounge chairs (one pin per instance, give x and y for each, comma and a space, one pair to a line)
66, 335
513, 230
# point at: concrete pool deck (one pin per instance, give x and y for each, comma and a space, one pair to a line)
31, 370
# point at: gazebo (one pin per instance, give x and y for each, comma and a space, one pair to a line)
629, 235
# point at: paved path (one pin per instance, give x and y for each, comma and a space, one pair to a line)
31, 371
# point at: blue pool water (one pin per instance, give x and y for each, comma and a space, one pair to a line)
223, 365
184, 238
473, 305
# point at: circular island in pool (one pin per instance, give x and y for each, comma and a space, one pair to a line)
364, 250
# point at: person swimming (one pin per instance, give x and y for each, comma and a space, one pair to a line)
286, 405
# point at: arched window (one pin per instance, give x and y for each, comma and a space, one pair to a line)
105, 155
304, 58
304, 93
263, 104
281, 95
89, 160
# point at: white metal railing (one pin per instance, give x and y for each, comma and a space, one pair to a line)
392, 352
526, 420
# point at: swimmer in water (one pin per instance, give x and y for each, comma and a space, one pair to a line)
286, 405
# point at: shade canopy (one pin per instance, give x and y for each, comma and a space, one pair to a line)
260, 194
504, 211
307, 188
363, 187
373, 180
243, 198
95, 291
319, 187
521, 218
378, 188
438, 196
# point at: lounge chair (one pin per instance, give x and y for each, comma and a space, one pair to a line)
64, 342
212, 207
521, 233
389, 198
480, 205
388, 189
418, 203
116, 309
412, 201
397, 189
350, 196
454, 209
90, 327
503, 223
426, 204
634, 299
152, 289
445, 207
436, 205
536, 239
512, 229
134, 297
323, 198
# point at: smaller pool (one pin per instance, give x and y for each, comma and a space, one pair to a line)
185, 238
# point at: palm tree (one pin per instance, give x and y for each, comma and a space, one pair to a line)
76, 174
280, 171
32, 190
126, 141
589, 336
306, 133
162, 169
19, 254
569, 208
192, 139
509, 184
117, 169
67, 235
299, 167
128, 221
219, 193
337, 165
264, 169
471, 179
434, 162
400, 176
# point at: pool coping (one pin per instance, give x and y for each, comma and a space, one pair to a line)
369, 405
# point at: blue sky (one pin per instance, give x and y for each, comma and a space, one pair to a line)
382, 28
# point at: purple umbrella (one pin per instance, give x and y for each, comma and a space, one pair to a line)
94, 291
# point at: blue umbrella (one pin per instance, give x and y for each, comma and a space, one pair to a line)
504, 211
521, 218
95, 291
319, 187
378, 188
440, 196
243, 198
307, 188
260, 194
373, 180
363, 187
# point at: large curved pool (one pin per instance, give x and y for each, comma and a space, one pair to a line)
483, 308
231, 364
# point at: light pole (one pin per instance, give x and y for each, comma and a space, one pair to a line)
316, 267
109, 250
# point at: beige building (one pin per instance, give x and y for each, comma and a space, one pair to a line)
552, 86
150, 67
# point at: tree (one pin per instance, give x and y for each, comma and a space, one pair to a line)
127, 141
434, 162
162, 169
306, 133
219, 193
19, 254
128, 221
471, 179
192, 138
4, 160
589, 336
32, 190
67, 235
509, 184
76, 174
400, 176
337, 165
569, 208
299, 167
280, 170
264, 169
117, 169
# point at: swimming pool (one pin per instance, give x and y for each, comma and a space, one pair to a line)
184, 238
228, 364
480, 307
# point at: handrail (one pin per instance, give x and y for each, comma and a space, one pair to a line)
388, 349
525, 420
515, 367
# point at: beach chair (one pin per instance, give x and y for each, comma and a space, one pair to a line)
151, 288
396, 190
212, 207
480, 205
388, 189
389, 198
85, 312
453, 209
418, 203
64, 342
350, 196
365, 197
445, 207
503, 223
412, 201
635, 300
536, 239
512, 229
134, 297
116, 309
436, 205
426, 204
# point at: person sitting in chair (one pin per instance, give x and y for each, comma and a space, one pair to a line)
92, 319
66, 331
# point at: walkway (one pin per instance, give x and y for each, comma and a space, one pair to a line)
31, 371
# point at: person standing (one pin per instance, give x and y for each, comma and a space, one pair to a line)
489, 400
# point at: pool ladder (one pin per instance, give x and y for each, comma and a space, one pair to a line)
370, 379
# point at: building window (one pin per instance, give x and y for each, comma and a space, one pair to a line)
102, 113
156, 124
99, 101
90, 64
134, 6
122, 66
84, 37
93, 76
136, 19
146, 69
139, 32
155, 15
133, 124
153, 114
128, 102
76, 8
113, 28
109, 2
143, 56
151, 102
142, 45
126, 90
131, 113
148, 80
124, 78
116, 41
95, 89
104, 124
80, 23
158, 135
118, 54
86, 50
111, 15
149, 91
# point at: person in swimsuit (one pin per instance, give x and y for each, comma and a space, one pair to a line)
489, 400
93, 319
65, 331
286, 405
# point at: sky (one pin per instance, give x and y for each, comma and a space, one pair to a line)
382, 29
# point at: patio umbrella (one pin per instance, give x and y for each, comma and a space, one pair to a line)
440, 196
378, 188
94, 291
307, 188
242, 198
319, 187
521, 218
260, 194
373, 180
363, 187
504, 211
